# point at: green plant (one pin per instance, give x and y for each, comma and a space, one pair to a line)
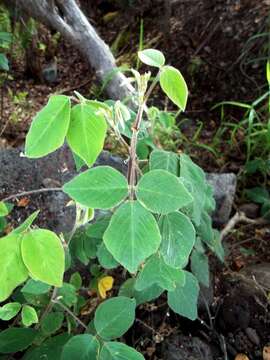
254, 129
152, 224
261, 196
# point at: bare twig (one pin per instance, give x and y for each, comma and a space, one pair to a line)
30, 192
237, 218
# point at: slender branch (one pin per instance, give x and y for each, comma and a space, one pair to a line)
49, 307
133, 165
237, 218
56, 301
30, 192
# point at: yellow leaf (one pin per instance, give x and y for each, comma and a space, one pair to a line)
105, 284
266, 353
241, 357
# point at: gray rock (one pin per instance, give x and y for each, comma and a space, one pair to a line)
259, 273
49, 73
224, 186
180, 347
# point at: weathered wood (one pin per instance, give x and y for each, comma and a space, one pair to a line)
66, 17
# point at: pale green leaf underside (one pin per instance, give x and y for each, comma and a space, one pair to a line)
114, 317
174, 86
105, 258
156, 271
193, 174
9, 311
132, 235
44, 257
13, 271
29, 315
161, 192
83, 347
152, 57
86, 133
164, 160
101, 188
141, 297
26, 224
49, 127
118, 351
183, 300
178, 239
200, 267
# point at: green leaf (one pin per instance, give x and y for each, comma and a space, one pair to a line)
49, 127
165, 160
26, 224
105, 258
166, 119
35, 287
29, 316
210, 203
3, 209
114, 317
194, 175
44, 256
9, 311
141, 297
152, 57
205, 230
156, 271
13, 340
97, 229
13, 271
258, 194
268, 72
76, 280
4, 62
132, 236
68, 294
101, 188
162, 192
178, 239
174, 86
50, 349
183, 300
3, 224
83, 347
200, 267
86, 133
5, 37
52, 322
118, 351
217, 247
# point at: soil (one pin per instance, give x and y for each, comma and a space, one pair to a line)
212, 43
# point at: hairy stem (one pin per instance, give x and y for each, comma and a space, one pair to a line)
133, 165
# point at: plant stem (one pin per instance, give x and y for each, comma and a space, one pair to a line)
133, 163
31, 192
48, 308
56, 301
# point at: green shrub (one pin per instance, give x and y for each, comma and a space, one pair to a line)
154, 223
